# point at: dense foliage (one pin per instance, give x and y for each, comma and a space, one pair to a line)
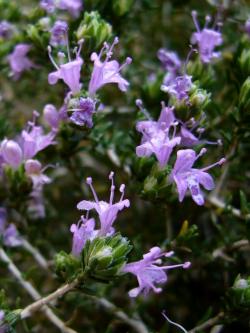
181, 97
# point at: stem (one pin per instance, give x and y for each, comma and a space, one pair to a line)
35, 253
36, 296
30, 309
134, 323
210, 322
219, 203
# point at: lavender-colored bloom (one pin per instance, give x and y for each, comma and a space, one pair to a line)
48, 5
156, 136
9, 232
190, 178
51, 115
179, 87
34, 140
170, 60
59, 33
107, 211
149, 273
107, 71
19, 61
83, 112
11, 153
82, 231
68, 72
33, 169
6, 30
206, 39
74, 7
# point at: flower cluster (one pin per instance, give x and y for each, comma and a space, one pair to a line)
104, 72
161, 137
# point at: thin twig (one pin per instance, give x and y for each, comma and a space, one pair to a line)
35, 295
35, 253
209, 323
215, 201
134, 323
220, 252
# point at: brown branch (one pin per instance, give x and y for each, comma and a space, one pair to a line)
207, 324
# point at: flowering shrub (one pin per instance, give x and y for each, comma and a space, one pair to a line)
153, 96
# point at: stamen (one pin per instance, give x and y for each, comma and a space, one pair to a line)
220, 162
112, 188
208, 20
192, 49
139, 104
174, 125
89, 182
169, 254
80, 43
51, 58
202, 152
173, 323
194, 16
186, 264
122, 190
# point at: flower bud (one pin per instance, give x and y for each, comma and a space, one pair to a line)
239, 295
32, 167
67, 266
122, 7
104, 256
12, 153
51, 116
95, 28
199, 98
244, 98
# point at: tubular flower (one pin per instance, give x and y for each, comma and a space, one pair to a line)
190, 178
156, 136
107, 71
206, 39
149, 273
69, 72
107, 211
178, 87
18, 60
82, 231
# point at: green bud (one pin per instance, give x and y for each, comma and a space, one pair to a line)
12, 317
104, 257
95, 28
244, 98
239, 294
121, 7
199, 98
67, 266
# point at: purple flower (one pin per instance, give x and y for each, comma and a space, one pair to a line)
170, 60
51, 115
11, 153
74, 7
179, 87
33, 169
107, 211
34, 140
156, 136
68, 72
6, 30
9, 232
83, 231
59, 33
187, 177
149, 273
48, 5
206, 39
19, 61
83, 112
107, 71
